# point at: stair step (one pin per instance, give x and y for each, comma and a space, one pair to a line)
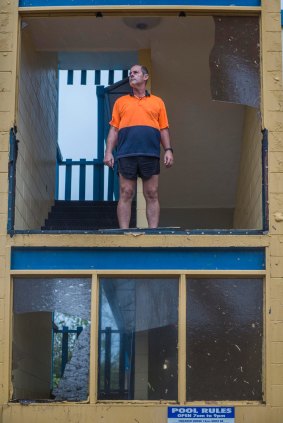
84, 204
81, 214
84, 215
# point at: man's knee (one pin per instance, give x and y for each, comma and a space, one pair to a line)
127, 193
151, 193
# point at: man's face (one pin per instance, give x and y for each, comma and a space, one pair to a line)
136, 77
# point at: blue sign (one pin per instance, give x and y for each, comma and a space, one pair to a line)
201, 414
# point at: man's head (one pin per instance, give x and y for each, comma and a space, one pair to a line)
138, 76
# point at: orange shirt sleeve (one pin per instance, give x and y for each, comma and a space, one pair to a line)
163, 119
115, 121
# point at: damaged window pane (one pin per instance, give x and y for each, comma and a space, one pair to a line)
51, 339
138, 336
224, 339
234, 60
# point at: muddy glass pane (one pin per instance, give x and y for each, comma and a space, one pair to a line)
138, 335
224, 339
51, 333
234, 60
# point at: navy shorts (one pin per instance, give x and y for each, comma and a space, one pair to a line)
143, 166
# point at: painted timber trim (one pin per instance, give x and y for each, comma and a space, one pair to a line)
265, 202
13, 153
46, 3
56, 258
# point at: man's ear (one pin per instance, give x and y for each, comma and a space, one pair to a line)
146, 76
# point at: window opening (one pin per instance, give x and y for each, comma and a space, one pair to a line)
51, 339
138, 339
224, 339
213, 108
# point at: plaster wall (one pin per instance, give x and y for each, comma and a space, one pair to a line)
37, 135
32, 345
141, 365
248, 210
205, 134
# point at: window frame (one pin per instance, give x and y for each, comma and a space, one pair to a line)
161, 10
182, 275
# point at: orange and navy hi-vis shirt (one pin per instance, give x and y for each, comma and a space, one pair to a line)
139, 121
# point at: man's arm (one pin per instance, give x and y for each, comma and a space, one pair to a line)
165, 141
111, 143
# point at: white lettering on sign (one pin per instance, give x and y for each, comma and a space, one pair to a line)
201, 415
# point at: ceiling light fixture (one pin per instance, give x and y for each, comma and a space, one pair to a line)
142, 23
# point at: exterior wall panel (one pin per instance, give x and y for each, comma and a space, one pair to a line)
272, 411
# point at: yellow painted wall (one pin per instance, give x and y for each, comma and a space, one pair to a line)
272, 411
248, 209
273, 119
8, 50
37, 133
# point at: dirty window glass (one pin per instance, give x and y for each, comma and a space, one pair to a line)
51, 334
224, 339
138, 335
235, 60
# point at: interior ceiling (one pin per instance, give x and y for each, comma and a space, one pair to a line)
95, 34
206, 135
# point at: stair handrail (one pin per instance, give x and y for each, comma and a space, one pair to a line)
98, 178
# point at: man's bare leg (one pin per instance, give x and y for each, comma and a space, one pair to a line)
127, 192
150, 192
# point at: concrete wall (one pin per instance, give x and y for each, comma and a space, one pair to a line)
37, 133
248, 210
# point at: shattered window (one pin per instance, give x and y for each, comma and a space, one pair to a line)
235, 60
51, 339
138, 336
224, 339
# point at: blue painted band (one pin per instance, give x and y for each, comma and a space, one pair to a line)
56, 258
281, 17
39, 3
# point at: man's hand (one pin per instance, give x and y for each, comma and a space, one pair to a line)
111, 143
168, 158
109, 159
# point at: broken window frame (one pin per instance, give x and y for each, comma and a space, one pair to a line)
183, 276
162, 10
51, 304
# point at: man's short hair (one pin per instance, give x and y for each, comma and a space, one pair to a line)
144, 70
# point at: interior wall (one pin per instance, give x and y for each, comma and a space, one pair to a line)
37, 135
197, 218
205, 134
248, 210
32, 349
141, 365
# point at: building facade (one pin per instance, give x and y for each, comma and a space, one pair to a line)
106, 325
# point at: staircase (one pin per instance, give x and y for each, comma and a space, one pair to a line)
84, 215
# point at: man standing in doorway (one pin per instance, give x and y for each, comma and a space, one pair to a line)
139, 124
